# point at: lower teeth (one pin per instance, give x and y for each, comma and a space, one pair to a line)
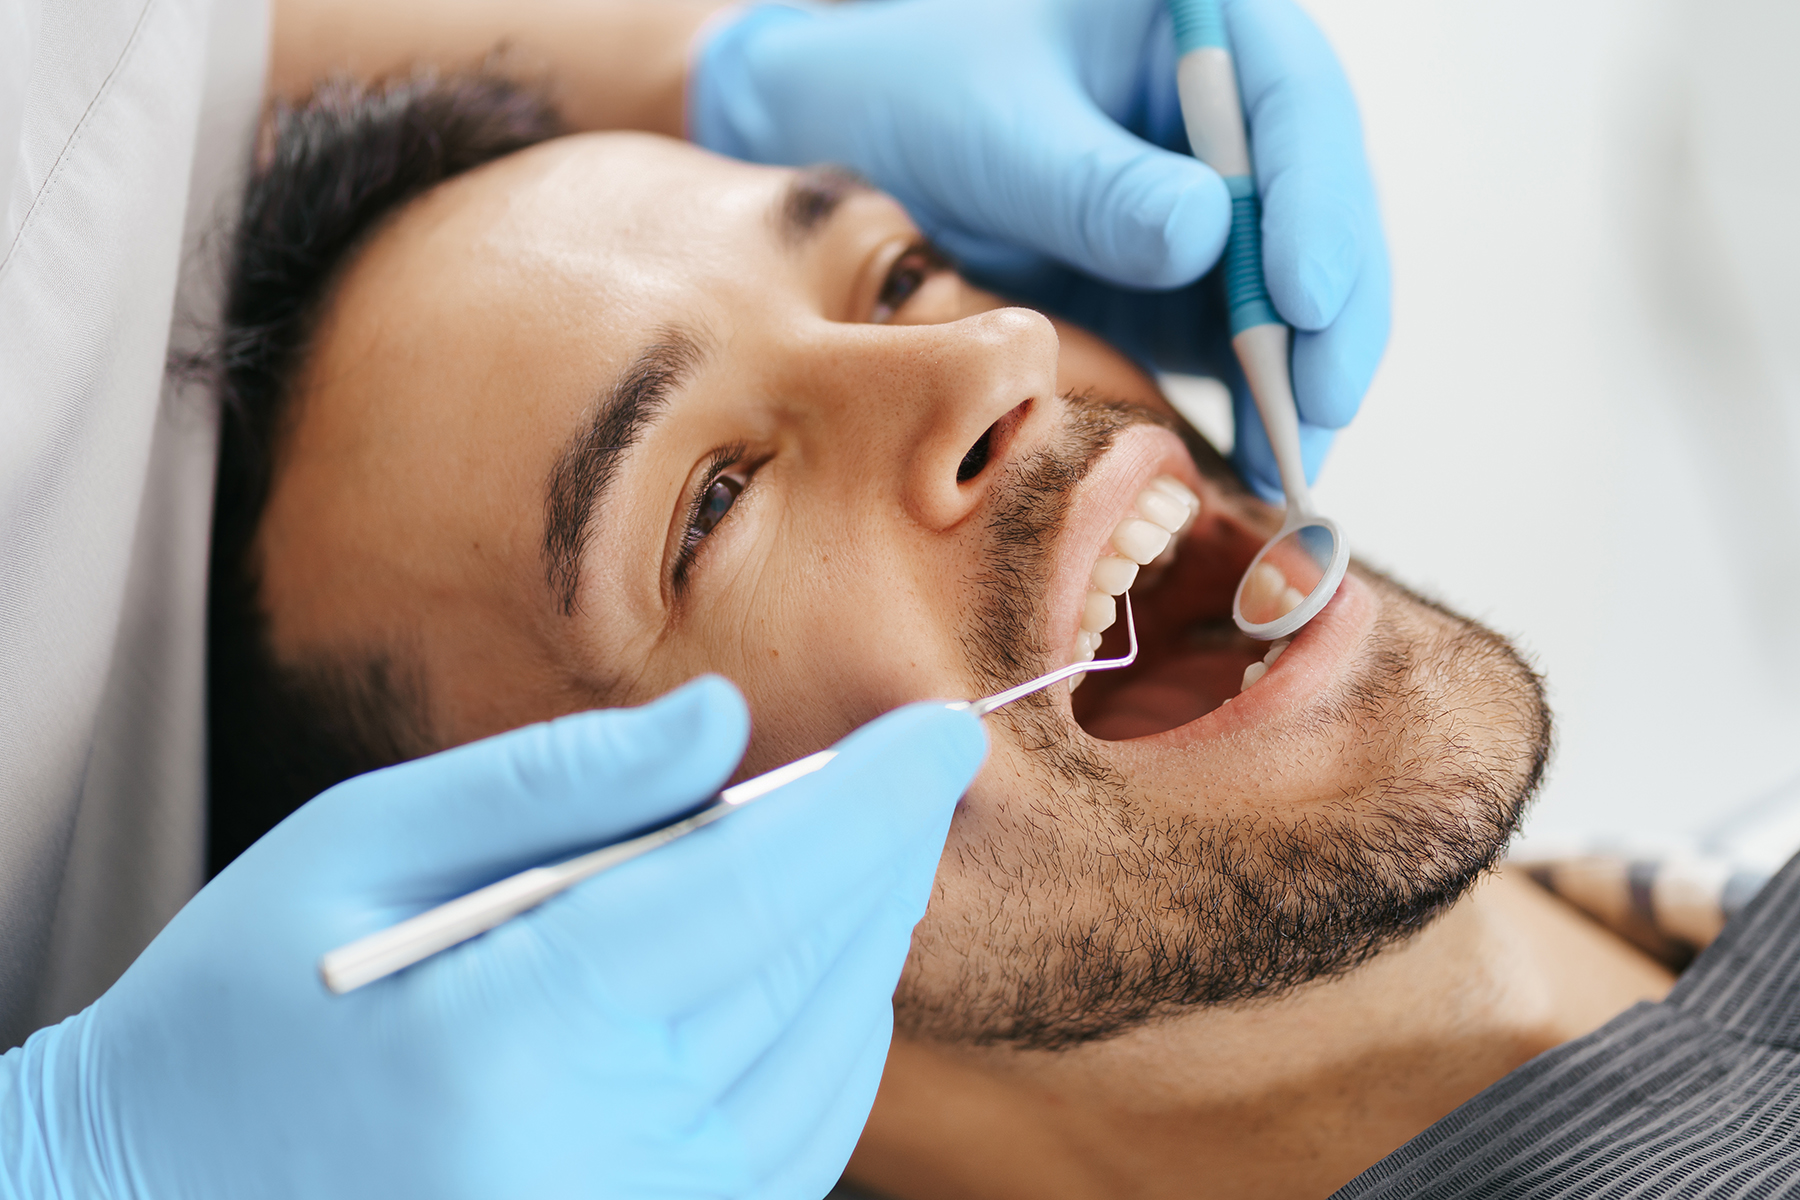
1257, 670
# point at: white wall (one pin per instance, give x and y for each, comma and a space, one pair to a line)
1587, 427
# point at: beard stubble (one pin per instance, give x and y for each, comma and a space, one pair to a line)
1114, 917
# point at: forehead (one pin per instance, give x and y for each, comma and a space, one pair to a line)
488, 316
617, 224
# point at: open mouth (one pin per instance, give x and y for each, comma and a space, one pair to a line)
1192, 658
1181, 560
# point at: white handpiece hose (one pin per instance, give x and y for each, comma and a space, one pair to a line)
1207, 83
1262, 351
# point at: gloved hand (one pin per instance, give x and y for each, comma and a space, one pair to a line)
1029, 137
710, 1019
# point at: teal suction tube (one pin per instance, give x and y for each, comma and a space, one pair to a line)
1206, 80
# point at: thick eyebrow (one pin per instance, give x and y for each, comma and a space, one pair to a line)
811, 197
591, 461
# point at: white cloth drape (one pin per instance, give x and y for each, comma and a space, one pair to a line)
123, 124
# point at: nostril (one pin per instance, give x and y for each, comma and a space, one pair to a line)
977, 458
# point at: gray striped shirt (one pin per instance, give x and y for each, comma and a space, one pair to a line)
1695, 1096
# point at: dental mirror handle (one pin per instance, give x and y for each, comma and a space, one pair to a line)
1206, 81
1262, 351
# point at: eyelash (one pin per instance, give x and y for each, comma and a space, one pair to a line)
692, 535
919, 262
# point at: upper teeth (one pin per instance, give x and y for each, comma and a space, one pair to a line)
1140, 541
1159, 513
1267, 591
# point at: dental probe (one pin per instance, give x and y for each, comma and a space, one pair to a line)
453, 922
1309, 550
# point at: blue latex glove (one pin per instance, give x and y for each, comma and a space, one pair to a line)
1040, 143
708, 1020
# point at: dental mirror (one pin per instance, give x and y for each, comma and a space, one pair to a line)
1293, 576
1298, 571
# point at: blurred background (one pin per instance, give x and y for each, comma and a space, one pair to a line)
1586, 431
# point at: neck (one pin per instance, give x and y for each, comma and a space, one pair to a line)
1290, 1097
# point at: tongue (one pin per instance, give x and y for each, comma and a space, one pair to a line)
1176, 688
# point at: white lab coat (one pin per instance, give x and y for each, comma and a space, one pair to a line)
123, 127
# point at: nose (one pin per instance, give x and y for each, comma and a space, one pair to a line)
949, 403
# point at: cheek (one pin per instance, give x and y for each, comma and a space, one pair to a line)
839, 619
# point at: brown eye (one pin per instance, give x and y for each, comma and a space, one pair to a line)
709, 508
715, 502
908, 274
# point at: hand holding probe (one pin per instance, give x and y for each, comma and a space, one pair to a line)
411, 941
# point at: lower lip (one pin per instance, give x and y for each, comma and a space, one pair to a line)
1312, 662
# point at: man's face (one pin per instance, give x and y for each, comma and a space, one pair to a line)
612, 412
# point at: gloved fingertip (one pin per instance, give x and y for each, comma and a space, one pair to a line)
1328, 403
1326, 276
931, 737
700, 701
721, 111
1315, 444
1164, 223
705, 717
1312, 270
1334, 368
1195, 230
1133, 214
1265, 486
706, 709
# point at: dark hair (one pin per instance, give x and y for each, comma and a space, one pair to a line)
331, 170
